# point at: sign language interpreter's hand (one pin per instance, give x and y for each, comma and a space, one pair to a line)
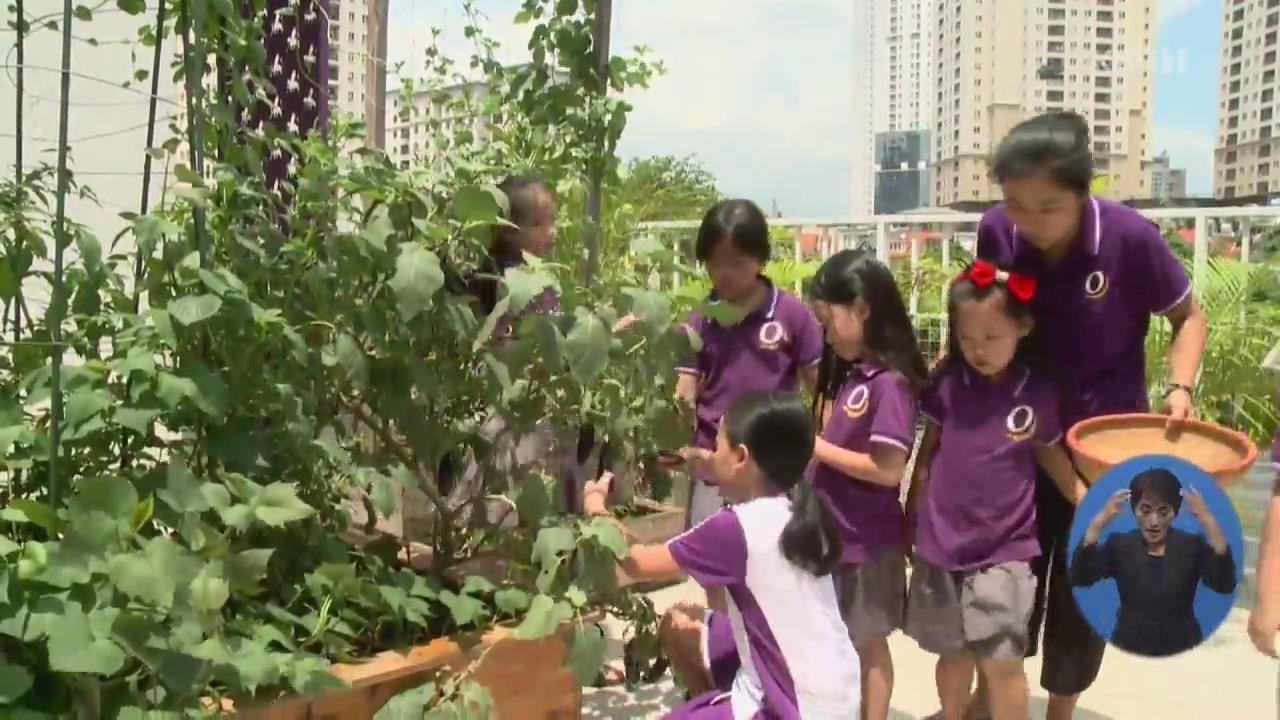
1115, 504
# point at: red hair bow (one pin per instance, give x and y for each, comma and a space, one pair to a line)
982, 274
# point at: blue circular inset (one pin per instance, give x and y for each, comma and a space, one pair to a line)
1139, 601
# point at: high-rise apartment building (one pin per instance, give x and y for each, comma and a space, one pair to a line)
1247, 153
893, 84
358, 63
411, 135
997, 62
1167, 182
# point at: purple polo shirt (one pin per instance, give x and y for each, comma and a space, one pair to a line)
765, 351
1094, 305
875, 405
797, 659
979, 505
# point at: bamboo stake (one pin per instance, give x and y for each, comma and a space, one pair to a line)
59, 244
19, 81
144, 205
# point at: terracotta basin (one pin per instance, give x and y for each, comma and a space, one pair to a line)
1101, 442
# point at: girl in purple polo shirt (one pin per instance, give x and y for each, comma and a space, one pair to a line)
862, 454
775, 344
1102, 271
772, 550
972, 498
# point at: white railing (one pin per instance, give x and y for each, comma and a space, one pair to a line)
880, 231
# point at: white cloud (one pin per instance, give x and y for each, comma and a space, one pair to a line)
1190, 150
760, 91
1166, 9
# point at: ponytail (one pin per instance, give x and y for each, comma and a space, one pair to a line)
778, 432
810, 540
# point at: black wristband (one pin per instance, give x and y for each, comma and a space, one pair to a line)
1170, 387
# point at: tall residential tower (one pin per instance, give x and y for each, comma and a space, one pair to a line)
998, 62
893, 84
1247, 152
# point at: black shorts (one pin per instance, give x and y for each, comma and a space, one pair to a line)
1072, 650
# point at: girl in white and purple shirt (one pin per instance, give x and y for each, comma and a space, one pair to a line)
772, 549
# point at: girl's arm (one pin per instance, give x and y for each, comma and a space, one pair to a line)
687, 388
1189, 331
645, 562
809, 376
884, 465
1264, 621
924, 457
1055, 462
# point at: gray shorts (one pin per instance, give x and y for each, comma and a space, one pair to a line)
984, 612
704, 501
873, 596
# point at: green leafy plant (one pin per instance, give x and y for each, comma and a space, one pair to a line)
209, 438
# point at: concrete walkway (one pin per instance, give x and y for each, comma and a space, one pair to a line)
1224, 679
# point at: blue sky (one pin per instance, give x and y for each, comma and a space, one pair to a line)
759, 90
1186, 90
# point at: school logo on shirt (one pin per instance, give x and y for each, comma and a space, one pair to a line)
855, 405
771, 335
1095, 285
1021, 423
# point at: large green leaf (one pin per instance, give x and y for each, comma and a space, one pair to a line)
209, 591
192, 309
33, 511
150, 575
418, 277
476, 204
85, 404
136, 419
511, 600
351, 358
182, 490
587, 347
653, 308
411, 703
524, 284
278, 504
544, 616
15, 681
464, 608
586, 652
608, 535
246, 568
491, 323
73, 648
112, 495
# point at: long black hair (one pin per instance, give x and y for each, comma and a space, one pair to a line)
522, 193
778, 432
1029, 352
889, 334
738, 221
1056, 143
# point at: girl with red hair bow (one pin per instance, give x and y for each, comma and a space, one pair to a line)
993, 419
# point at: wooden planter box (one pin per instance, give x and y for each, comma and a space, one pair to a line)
526, 679
658, 524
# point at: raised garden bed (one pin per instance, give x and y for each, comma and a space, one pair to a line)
524, 678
